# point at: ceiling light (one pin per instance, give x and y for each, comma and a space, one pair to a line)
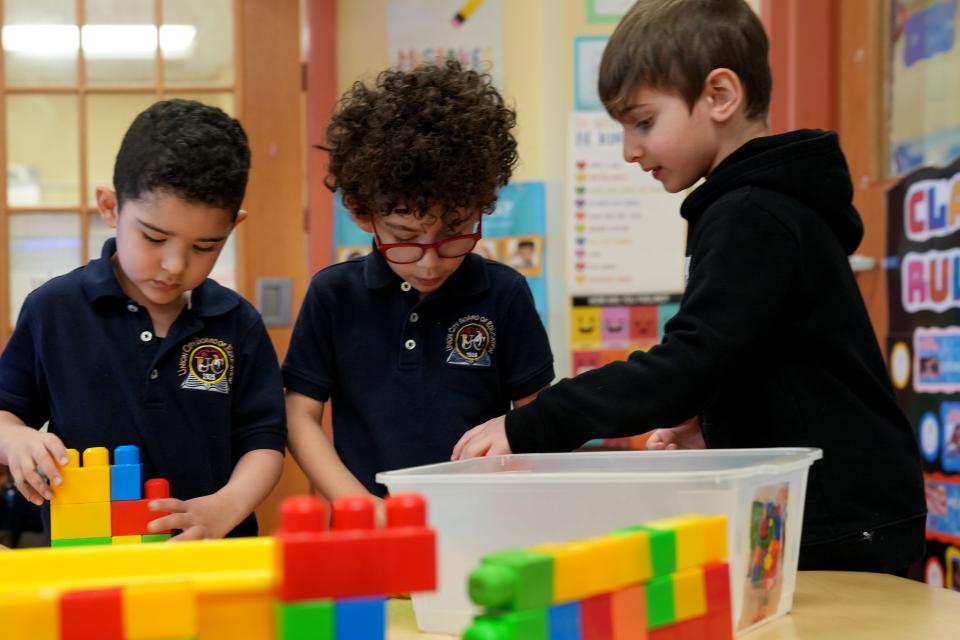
120, 41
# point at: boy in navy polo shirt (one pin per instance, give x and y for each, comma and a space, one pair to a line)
421, 338
140, 347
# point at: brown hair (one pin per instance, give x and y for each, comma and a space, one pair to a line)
672, 45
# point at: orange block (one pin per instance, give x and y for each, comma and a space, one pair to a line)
628, 608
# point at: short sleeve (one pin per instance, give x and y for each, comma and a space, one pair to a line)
309, 366
259, 417
526, 361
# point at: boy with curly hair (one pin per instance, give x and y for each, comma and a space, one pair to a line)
421, 338
140, 347
772, 345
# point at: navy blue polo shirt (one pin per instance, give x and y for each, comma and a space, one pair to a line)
407, 377
84, 357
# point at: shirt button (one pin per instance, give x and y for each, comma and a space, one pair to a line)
410, 345
132, 308
146, 336
154, 374
405, 286
414, 317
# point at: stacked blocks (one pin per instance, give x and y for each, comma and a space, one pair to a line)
333, 583
100, 503
665, 580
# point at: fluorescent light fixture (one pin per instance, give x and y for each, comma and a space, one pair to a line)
100, 41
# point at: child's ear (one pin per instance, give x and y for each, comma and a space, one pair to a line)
241, 216
363, 223
107, 205
723, 94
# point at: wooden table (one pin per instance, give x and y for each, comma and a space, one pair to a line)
828, 605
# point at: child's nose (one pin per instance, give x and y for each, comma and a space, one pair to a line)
430, 258
174, 263
632, 152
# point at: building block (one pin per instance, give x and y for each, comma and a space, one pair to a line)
131, 517
689, 594
571, 569
596, 620
613, 566
79, 520
715, 539
308, 620
563, 621
692, 629
690, 539
513, 580
641, 555
159, 611
97, 613
660, 607
360, 618
670, 632
716, 579
89, 482
154, 537
126, 540
628, 610
30, 616
79, 542
518, 625
663, 548
126, 474
235, 613
719, 625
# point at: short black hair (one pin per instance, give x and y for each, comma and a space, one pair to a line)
434, 139
183, 147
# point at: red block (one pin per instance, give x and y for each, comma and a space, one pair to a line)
692, 629
669, 632
130, 517
596, 619
91, 615
716, 578
720, 625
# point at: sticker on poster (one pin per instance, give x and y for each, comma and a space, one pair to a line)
936, 360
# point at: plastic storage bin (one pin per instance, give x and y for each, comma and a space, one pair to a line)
491, 504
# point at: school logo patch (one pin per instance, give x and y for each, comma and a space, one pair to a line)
471, 341
206, 364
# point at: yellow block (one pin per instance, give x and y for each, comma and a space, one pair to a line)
691, 539
615, 563
160, 611
126, 540
715, 538
689, 594
242, 615
642, 565
33, 615
86, 520
572, 569
87, 483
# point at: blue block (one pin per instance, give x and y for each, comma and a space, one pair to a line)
564, 621
126, 474
360, 618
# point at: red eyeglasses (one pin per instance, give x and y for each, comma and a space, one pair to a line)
409, 252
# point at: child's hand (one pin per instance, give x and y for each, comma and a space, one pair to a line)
31, 453
199, 518
686, 435
488, 439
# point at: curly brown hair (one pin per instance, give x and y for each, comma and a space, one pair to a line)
436, 139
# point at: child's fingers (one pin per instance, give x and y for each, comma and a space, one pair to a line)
55, 446
28, 482
462, 443
46, 465
168, 522
168, 504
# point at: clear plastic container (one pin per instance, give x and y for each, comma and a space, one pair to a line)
491, 504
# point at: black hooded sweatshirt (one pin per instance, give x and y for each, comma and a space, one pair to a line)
772, 347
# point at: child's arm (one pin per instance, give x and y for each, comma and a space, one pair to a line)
314, 452
215, 515
526, 400
28, 453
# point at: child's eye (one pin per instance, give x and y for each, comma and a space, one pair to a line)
152, 239
204, 249
645, 124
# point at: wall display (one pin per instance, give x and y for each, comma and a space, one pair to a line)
587, 52
606, 11
924, 345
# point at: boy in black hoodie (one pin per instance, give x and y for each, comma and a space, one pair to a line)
772, 346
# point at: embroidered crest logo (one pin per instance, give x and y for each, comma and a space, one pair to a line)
207, 364
471, 341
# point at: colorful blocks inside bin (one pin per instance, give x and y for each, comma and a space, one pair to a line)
628, 610
360, 619
572, 569
716, 579
131, 517
689, 594
96, 613
663, 548
79, 520
87, 482
159, 612
513, 580
660, 605
517, 625
689, 539
308, 620
126, 474
563, 621
640, 555
596, 619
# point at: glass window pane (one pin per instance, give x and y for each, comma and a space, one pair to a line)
42, 150
196, 41
215, 99
108, 117
40, 42
120, 42
42, 245
98, 233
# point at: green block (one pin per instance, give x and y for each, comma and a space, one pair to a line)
310, 620
154, 537
80, 542
517, 625
513, 580
663, 549
660, 605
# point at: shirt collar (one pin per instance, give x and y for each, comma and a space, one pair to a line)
469, 279
99, 281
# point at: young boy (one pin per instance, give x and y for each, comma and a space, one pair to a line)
420, 339
772, 345
140, 347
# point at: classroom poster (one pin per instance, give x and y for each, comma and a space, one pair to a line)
513, 234
923, 277
429, 31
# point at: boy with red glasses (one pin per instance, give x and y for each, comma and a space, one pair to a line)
421, 339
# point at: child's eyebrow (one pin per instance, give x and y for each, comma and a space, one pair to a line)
400, 227
168, 233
